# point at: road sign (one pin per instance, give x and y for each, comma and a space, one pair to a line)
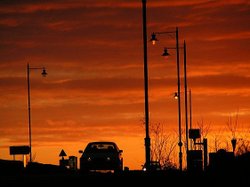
62, 153
19, 150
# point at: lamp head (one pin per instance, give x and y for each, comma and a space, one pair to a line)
165, 53
153, 38
176, 95
44, 73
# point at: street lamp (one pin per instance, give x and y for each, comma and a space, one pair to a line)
44, 73
153, 40
186, 99
165, 53
176, 96
147, 138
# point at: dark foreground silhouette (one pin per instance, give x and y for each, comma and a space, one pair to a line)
36, 174
130, 178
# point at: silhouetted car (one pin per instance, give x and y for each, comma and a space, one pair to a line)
101, 156
154, 166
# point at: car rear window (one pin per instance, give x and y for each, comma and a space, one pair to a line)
97, 147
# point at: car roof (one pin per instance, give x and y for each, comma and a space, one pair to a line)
102, 142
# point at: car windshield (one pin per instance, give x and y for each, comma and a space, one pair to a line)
100, 147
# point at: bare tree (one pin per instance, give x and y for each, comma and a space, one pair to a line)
232, 124
217, 141
162, 146
158, 142
204, 128
243, 145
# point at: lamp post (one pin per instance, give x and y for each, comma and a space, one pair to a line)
44, 73
147, 138
190, 109
186, 99
153, 40
177, 95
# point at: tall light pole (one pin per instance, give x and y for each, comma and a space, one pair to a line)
186, 99
154, 39
147, 138
44, 73
177, 95
190, 109
179, 98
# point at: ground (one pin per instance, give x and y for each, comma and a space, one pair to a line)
125, 178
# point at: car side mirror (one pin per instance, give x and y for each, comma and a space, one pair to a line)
80, 151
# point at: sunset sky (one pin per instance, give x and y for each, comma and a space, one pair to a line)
94, 91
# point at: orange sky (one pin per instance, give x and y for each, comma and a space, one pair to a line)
93, 54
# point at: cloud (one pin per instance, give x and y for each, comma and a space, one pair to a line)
221, 81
